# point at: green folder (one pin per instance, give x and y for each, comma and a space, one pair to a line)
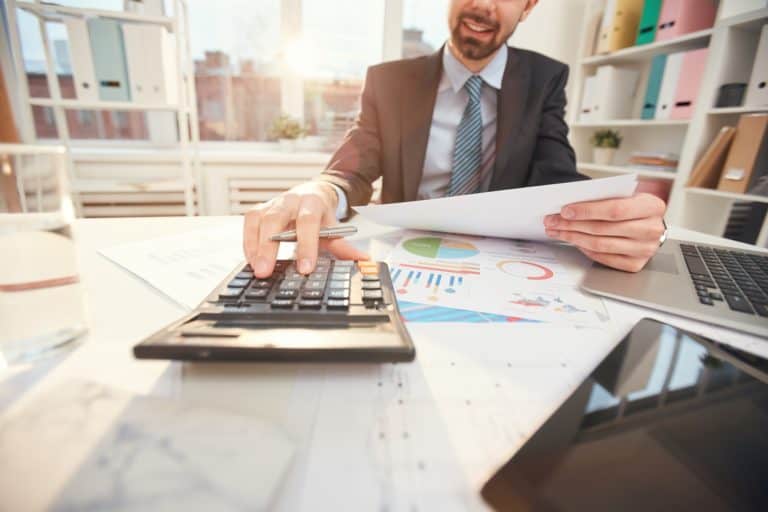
646, 30
109, 65
655, 77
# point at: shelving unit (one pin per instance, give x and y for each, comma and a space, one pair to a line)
648, 51
108, 191
727, 195
731, 44
620, 169
631, 123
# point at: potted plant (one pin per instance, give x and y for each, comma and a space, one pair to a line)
286, 130
605, 143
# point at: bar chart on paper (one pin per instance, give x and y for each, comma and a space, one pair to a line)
407, 280
443, 277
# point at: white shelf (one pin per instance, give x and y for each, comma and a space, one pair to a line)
737, 110
727, 195
750, 20
631, 123
57, 12
100, 105
620, 169
690, 41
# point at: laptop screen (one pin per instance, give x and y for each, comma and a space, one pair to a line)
668, 421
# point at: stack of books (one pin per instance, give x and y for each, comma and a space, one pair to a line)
652, 161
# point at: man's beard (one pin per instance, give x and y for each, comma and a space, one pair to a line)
470, 47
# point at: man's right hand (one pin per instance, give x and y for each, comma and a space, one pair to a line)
306, 208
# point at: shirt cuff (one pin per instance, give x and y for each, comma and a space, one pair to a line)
343, 206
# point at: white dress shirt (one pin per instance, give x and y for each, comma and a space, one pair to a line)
450, 103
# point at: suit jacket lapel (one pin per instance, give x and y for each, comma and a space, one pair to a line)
513, 98
419, 92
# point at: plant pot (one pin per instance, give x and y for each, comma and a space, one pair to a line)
603, 156
287, 145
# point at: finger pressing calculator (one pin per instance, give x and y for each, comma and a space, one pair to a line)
343, 311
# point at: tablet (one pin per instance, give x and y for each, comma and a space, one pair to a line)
667, 421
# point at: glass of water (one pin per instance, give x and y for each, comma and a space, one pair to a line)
41, 299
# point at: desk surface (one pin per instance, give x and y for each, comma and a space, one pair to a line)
368, 437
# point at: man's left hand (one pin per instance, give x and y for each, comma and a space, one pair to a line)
620, 233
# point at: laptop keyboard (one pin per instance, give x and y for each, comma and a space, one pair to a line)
738, 278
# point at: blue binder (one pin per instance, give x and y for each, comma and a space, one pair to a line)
109, 63
654, 86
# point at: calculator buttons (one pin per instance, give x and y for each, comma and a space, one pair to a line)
338, 304
372, 295
230, 293
340, 293
282, 304
256, 294
287, 294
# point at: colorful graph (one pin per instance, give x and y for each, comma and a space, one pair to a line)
444, 266
443, 248
421, 313
433, 281
525, 270
539, 302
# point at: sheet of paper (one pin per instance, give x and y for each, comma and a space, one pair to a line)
517, 213
186, 267
508, 278
106, 449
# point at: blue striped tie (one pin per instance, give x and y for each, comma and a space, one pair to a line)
467, 154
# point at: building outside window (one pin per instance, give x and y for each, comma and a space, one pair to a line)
253, 61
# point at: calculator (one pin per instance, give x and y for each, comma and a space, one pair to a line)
343, 311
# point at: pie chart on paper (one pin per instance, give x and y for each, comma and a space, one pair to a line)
438, 247
525, 270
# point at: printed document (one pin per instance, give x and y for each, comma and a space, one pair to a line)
514, 279
517, 213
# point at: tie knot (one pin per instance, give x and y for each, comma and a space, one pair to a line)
474, 85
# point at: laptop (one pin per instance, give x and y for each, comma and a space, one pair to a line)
715, 284
668, 421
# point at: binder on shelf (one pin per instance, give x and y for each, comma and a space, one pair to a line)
619, 28
649, 21
655, 76
588, 99
706, 173
81, 59
151, 56
669, 85
757, 90
748, 158
109, 59
680, 17
614, 92
689, 85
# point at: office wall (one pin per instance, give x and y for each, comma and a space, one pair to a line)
553, 29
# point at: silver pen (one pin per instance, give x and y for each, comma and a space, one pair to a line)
332, 232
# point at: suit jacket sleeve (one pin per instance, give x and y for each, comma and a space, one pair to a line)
554, 160
356, 164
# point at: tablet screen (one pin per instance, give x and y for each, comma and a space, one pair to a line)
667, 421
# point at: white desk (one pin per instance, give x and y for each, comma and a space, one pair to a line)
369, 437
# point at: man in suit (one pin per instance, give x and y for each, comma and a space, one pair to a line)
475, 116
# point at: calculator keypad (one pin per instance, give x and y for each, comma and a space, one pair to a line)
334, 285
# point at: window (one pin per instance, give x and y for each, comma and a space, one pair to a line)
425, 26
83, 125
257, 60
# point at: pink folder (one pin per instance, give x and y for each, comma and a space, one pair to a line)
691, 75
679, 17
